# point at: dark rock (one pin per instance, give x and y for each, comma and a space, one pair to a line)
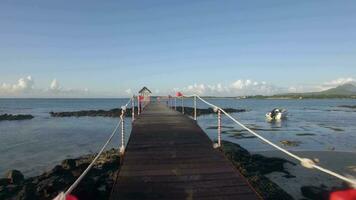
254, 167
4, 181
10, 117
27, 193
96, 185
206, 111
116, 112
348, 106
69, 164
313, 192
15, 176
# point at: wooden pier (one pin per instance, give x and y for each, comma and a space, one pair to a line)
169, 156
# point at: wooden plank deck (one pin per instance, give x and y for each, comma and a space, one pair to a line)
170, 157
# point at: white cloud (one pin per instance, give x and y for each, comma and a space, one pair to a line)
236, 88
128, 91
25, 88
251, 87
55, 87
57, 90
23, 85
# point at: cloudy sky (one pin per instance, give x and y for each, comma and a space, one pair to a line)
225, 48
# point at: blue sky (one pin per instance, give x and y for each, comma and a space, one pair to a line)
106, 48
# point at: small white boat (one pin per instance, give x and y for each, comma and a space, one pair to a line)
277, 114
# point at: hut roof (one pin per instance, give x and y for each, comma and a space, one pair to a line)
145, 89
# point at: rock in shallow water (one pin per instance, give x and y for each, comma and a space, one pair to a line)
14, 176
10, 117
96, 185
254, 167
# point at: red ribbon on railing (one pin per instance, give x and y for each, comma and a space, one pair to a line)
71, 197
179, 94
343, 195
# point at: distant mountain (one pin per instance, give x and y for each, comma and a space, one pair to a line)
343, 91
346, 89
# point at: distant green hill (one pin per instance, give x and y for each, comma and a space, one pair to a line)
343, 91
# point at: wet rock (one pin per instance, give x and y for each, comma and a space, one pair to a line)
96, 185
290, 143
68, 164
207, 111
313, 192
27, 193
116, 112
348, 106
14, 176
254, 167
4, 181
10, 117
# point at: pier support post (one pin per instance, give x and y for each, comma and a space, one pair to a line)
218, 145
133, 108
219, 128
183, 105
175, 103
138, 105
195, 108
122, 118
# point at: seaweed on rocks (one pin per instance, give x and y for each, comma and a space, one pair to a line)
10, 117
96, 185
254, 167
207, 111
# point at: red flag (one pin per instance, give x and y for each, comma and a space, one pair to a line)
343, 195
141, 98
179, 94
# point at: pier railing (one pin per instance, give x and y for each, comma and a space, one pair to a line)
120, 124
305, 162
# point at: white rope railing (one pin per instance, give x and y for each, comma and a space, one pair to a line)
305, 162
63, 195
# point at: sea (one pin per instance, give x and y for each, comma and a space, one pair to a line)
36, 145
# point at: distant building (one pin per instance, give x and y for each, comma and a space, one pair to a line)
145, 94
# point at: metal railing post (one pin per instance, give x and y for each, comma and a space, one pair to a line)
133, 108
182, 104
175, 103
195, 108
219, 128
138, 105
122, 118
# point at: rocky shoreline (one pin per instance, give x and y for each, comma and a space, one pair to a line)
348, 106
207, 111
254, 167
10, 117
96, 185
116, 112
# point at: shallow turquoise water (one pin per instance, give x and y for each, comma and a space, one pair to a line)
33, 146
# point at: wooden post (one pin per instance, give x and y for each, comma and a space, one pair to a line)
219, 128
122, 117
133, 108
182, 104
195, 108
138, 105
175, 103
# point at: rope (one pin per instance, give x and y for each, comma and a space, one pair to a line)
62, 196
72, 187
305, 162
